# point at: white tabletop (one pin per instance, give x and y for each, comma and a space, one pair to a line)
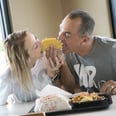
20, 109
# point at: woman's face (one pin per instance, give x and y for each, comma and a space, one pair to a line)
33, 46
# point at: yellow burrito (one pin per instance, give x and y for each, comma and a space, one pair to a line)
46, 43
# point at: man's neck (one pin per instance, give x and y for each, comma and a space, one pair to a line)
87, 48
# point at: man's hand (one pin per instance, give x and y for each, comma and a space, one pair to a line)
108, 87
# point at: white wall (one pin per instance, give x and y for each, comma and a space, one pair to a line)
42, 17
99, 9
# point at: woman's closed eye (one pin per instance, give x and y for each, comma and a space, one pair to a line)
36, 44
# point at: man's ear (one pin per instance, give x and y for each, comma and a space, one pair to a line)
84, 40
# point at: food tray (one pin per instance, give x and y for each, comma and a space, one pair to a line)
83, 107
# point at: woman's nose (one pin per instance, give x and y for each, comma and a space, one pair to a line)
39, 42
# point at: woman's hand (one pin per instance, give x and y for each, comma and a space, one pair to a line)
55, 60
108, 87
57, 63
53, 67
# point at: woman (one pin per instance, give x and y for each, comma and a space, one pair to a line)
25, 75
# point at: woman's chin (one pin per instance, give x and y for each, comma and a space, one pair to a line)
41, 54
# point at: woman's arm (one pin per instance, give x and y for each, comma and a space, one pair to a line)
57, 62
53, 71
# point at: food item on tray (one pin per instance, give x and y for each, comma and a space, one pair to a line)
51, 41
86, 97
51, 103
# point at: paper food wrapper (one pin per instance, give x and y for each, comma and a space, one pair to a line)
50, 89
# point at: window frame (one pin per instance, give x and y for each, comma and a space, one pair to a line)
113, 16
5, 19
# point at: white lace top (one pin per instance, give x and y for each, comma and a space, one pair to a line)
8, 86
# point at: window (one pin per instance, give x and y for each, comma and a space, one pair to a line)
5, 29
113, 15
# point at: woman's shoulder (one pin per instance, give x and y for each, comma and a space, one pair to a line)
40, 63
5, 74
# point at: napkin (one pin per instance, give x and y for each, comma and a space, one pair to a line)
50, 89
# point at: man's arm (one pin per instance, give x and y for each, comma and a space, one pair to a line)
67, 79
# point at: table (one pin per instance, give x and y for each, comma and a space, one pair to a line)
15, 109
20, 109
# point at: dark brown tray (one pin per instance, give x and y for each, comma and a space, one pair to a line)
83, 107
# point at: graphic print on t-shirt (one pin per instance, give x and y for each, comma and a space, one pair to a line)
86, 75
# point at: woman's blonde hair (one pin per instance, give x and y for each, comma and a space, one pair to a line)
18, 58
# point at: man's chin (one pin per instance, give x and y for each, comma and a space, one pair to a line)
65, 51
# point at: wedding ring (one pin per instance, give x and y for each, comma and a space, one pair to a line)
112, 87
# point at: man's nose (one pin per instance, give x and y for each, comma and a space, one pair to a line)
60, 37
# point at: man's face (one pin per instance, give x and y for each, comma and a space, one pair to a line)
69, 35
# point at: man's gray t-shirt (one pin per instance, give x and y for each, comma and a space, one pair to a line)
99, 65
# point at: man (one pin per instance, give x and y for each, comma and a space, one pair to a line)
91, 59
